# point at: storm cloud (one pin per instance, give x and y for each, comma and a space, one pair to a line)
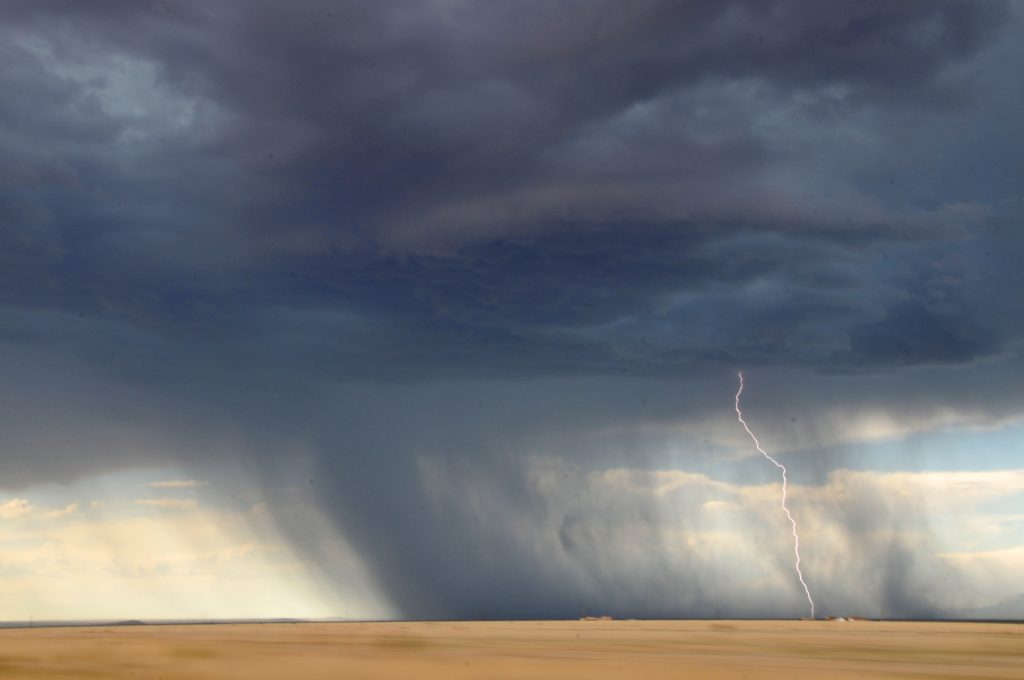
449, 265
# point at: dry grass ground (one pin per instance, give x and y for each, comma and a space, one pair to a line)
567, 649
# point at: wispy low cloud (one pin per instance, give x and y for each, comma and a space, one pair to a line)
15, 508
944, 489
66, 511
1009, 557
177, 484
169, 503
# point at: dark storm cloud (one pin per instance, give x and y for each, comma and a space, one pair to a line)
912, 334
498, 177
228, 222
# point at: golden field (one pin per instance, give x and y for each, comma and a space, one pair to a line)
503, 650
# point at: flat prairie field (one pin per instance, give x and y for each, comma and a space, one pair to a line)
521, 649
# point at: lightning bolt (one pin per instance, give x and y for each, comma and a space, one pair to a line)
796, 536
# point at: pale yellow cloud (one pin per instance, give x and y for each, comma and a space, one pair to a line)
169, 503
945, 488
15, 508
66, 511
1008, 558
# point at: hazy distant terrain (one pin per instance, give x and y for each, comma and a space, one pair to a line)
551, 649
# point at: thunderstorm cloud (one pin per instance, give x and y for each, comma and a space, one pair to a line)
455, 293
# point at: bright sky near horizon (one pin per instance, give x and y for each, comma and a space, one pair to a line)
140, 545
116, 547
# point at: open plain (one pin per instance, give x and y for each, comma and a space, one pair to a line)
548, 649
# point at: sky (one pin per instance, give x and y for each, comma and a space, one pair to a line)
435, 309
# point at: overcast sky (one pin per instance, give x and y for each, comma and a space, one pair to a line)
435, 308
